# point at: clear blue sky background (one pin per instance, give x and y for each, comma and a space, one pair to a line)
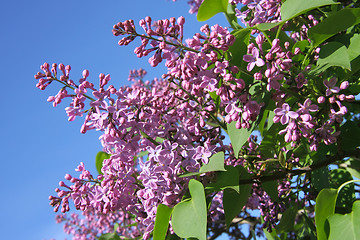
38, 145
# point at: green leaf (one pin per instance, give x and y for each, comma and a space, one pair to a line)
350, 134
189, 216
234, 201
334, 24
334, 54
238, 137
227, 179
346, 226
308, 229
211, 7
320, 178
266, 26
216, 163
346, 196
303, 47
239, 48
109, 236
270, 188
325, 207
162, 219
353, 49
173, 237
100, 157
269, 141
216, 98
287, 220
353, 167
293, 8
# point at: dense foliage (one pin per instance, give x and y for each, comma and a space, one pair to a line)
252, 131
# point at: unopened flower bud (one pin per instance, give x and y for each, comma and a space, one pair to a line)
344, 85
321, 99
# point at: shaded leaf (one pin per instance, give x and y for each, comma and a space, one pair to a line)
350, 134
334, 24
234, 201
287, 220
227, 179
320, 178
269, 141
346, 196
334, 54
239, 48
162, 219
195, 226
270, 188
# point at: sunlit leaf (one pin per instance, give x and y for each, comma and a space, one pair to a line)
211, 7
162, 219
109, 236
189, 216
100, 157
334, 54
216, 163
346, 226
325, 207
293, 8
238, 137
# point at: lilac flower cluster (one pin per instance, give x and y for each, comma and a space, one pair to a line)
258, 11
189, 69
131, 119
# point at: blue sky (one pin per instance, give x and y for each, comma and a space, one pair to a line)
38, 145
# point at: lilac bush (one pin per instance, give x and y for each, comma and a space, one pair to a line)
272, 86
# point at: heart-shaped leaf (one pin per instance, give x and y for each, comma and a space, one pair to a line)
238, 137
189, 216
